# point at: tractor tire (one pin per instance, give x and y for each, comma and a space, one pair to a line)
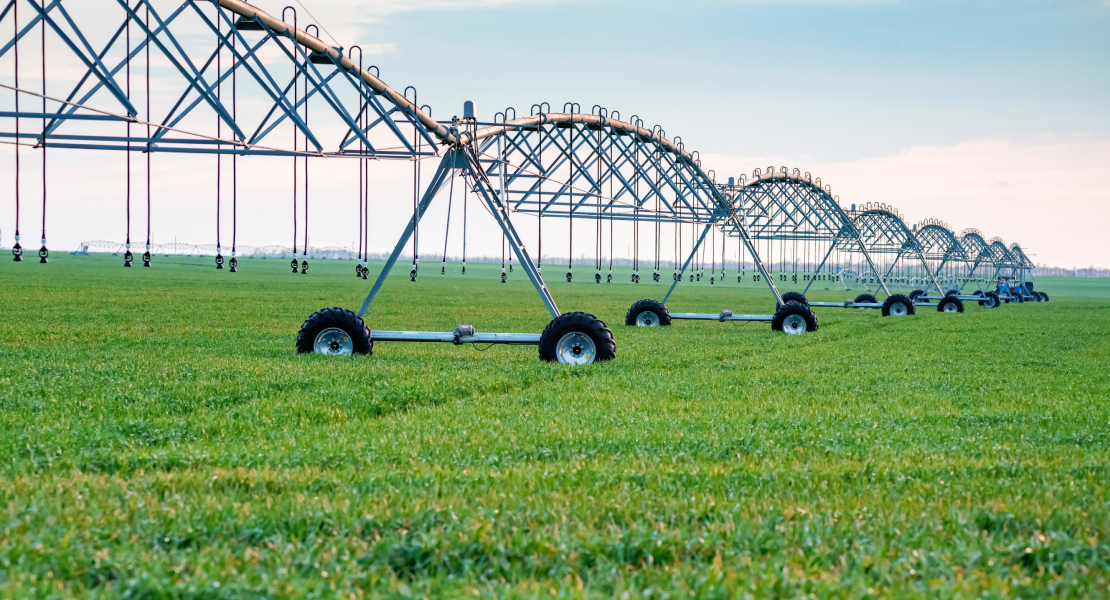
898, 305
794, 318
866, 298
796, 297
577, 338
647, 313
335, 332
950, 304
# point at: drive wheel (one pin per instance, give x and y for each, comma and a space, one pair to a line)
865, 298
990, 300
914, 294
950, 304
334, 332
898, 306
648, 313
796, 297
577, 338
1044, 296
794, 318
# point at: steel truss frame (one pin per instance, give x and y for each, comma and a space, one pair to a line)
1022, 269
884, 232
980, 253
595, 167
940, 248
794, 206
353, 95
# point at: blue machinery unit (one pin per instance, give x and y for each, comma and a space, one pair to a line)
580, 166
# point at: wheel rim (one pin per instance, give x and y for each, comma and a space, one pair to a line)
576, 348
898, 309
794, 324
990, 302
647, 319
950, 307
333, 341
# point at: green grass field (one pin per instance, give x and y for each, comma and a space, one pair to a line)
161, 438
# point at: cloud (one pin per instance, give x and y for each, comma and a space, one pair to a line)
377, 48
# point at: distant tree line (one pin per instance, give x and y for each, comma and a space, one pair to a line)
1092, 271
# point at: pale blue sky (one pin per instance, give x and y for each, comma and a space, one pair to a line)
828, 80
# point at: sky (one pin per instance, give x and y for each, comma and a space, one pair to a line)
987, 114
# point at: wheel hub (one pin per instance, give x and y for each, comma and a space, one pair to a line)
647, 319
333, 341
794, 324
576, 348
950, 307
898, 309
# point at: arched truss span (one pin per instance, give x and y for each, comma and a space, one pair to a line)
986, 263
1021, 260
939, 243
211, 47
1000, 253
883, 231
787, 204
782, 204
594, 166
975, 245
943, 253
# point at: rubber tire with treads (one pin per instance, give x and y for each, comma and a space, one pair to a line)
796, 297
950, 300
994, 296
794, 308
339, 318
1017, 298
1044, 296
648, 304
914, 294
892, 300
952, 293
579, 322
866, 298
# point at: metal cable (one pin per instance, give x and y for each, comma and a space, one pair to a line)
15, 27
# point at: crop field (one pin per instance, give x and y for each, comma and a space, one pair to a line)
160, 438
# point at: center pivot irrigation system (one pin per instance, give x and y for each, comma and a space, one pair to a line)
246, 82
